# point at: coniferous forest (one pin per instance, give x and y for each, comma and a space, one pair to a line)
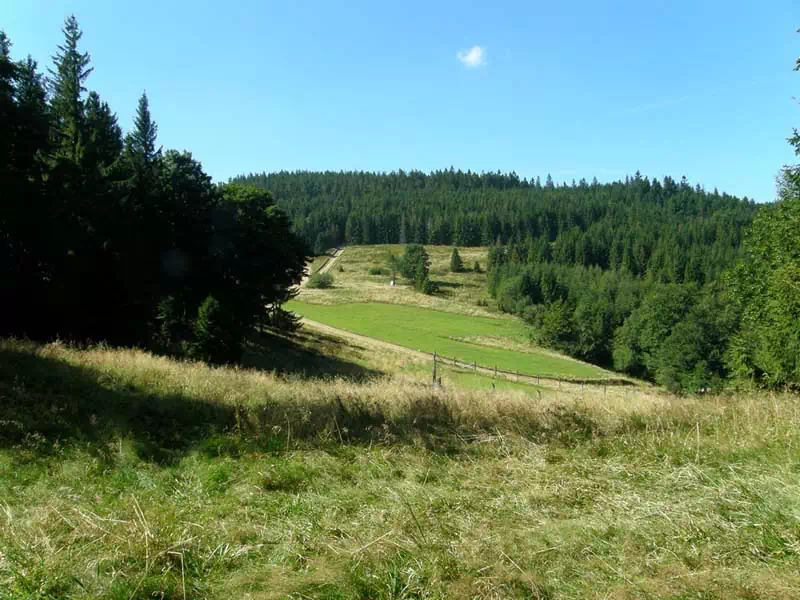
109, 237
635, 224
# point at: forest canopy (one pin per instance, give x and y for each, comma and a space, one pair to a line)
109, 237
636, 224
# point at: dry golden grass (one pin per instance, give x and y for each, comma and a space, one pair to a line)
126, 475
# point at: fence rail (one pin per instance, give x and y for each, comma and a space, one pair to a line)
455, 362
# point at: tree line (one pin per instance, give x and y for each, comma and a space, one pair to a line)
107, 236
638, 224
699, 333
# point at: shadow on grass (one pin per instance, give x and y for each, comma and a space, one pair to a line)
47, 403
448, 284
310, 355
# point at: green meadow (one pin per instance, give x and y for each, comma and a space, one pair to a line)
450, 335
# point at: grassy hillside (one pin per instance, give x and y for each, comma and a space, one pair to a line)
319, 351
124, 475
458, 322
459, 293
469, 338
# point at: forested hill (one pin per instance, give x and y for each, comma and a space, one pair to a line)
639, 224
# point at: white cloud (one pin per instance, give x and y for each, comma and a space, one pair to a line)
474, 57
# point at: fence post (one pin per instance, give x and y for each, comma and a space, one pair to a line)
454, 361
434, 368
475, 366
495, 371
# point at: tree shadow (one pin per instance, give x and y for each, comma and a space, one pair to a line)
448, 284
45, 402
295, 355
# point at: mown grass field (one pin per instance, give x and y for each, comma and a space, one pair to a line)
317, 350
128, 476
449, 334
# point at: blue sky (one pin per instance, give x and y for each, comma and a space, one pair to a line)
572, 88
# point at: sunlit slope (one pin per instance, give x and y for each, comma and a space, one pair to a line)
467, 338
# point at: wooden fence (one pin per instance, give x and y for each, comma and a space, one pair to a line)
455, 362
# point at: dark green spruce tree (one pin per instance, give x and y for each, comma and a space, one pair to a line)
105, 239
140, 143
456, 264
67, 78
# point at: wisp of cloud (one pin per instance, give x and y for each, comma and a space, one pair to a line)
474, 57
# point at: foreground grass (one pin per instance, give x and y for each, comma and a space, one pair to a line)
469, 338
123, 475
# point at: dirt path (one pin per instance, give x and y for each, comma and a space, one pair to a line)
327, 266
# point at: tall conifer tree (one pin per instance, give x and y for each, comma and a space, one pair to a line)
141, 142
70, 71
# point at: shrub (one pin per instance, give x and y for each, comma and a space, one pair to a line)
426, 286
376, 271
510, 296
320, 281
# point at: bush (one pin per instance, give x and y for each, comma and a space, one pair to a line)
426, 286
376, 271
477, 267
511, 297
320, 281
